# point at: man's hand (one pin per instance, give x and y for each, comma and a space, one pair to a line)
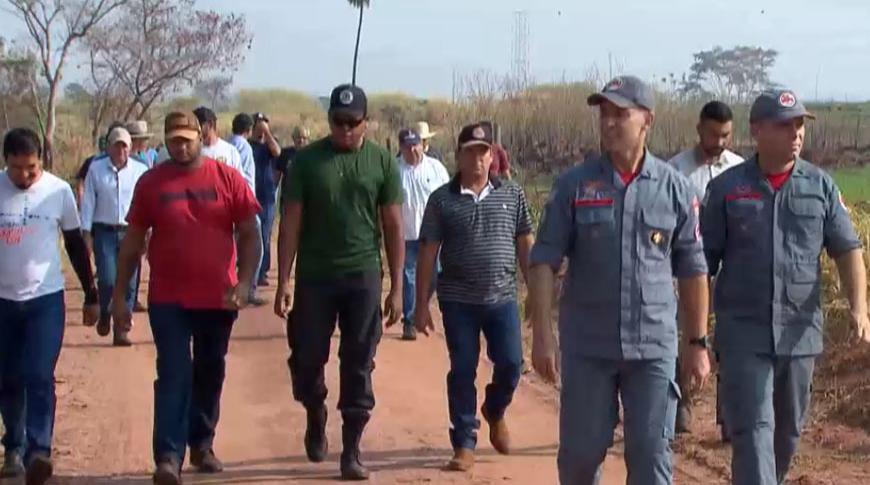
423, 320
236, 298
544, 359
264, 127
121, 314
696, 367
861, 324
283, 301
393, 308
90, 314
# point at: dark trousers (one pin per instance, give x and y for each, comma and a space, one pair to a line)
107, 243
463, 324
188, 388
765, 399
267, 220
31, 334
355, 300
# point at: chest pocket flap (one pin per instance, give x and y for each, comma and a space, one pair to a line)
806, 206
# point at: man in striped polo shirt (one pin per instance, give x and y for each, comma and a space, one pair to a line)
481, 226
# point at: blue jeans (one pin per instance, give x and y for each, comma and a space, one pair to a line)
31, 334
409, 281
591, 388
107, 243
267, 220
188, 388
463, 323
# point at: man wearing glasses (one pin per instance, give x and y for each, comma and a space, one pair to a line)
339, 192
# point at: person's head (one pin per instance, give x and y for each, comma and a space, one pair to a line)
348, 111
119, 147
183, 137
474, 150
243, 125
261, 123
411, 146
301, 136
139, 135
22, 151
777, 121
208, 124
715, 128
627, 107
102, 143
422, 129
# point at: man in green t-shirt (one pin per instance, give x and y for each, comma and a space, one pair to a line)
339, 193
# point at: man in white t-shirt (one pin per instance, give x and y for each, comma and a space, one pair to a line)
701, 164
711, 156
421, 175
34, 207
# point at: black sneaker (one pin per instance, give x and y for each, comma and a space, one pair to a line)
409, 332
39, 470
104, 325
257, 301
13, 466
205, 461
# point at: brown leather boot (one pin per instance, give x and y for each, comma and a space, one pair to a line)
462, 461
499, 435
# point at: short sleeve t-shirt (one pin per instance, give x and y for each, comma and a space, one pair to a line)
30, 221
192, 214
341, 193
225, 153
265, 163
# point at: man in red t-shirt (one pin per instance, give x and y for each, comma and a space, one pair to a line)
192, 205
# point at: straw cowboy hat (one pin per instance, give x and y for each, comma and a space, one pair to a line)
139, 129
422, 129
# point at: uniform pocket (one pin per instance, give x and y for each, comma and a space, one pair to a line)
802, 288
804, 227
656, 234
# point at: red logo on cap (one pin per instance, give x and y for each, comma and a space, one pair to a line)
787, 100
614, 84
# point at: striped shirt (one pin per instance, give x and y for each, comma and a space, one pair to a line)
478, 241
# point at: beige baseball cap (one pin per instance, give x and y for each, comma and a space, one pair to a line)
120, 134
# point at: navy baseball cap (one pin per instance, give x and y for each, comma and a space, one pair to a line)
409, 137
258, 116
625, 92
348, 99
778, 105
476, 134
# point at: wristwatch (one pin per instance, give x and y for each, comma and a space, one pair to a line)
703, 342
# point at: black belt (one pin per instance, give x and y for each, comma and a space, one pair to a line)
109, 227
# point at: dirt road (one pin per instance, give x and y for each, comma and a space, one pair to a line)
105, 414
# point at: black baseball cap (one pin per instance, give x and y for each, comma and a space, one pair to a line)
476, 134
258, 116
205, 115
778, 105
409, 137
348, 99
625, 92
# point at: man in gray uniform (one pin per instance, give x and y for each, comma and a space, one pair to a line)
628, 223
764, 224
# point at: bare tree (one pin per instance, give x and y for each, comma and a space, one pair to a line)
54, 26
733, 75
157, 47
215, 91
17, 72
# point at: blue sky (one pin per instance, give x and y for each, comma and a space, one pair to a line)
415, 46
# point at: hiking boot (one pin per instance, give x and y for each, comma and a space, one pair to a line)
205, 461
168, 472
122, 339
684, 419
462, 461
352, 468
13, 465
409, 332
104, 325
499, 435
39, 470
316, 444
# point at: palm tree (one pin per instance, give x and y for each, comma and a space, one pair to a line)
361, 5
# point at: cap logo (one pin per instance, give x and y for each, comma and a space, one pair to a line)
787, 100
346, 97
614, 84
478, 133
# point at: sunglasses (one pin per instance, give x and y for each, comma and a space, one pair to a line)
349, 123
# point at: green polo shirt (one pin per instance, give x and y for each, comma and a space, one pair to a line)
341, 193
